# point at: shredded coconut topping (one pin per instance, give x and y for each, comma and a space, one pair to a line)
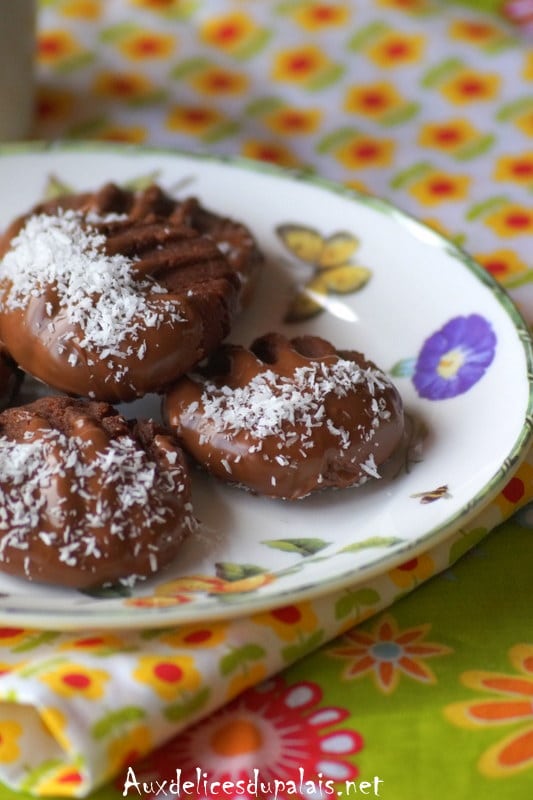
128, 499
99, 293
271, 401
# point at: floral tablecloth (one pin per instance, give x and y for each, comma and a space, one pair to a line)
430, 105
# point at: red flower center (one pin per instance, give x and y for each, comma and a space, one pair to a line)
301, 63
409, 565
167, 672
518, 220
323, 13
196, 115
514, 490
447, 135
197, 637
374, 100
441, 186
496, 267
471, 87
50, 47
367, 150
6, 633
227, 32
90, 641
76, 680
289, 614
70, 777
397, 49
522, 168
147, 46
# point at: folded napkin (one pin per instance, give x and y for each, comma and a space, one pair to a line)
77, 709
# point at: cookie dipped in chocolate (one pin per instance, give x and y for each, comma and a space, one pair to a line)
87, 498
287, 418
111, 296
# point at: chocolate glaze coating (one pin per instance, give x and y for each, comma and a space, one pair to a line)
287, 418
205, 267
87, 498
10, 377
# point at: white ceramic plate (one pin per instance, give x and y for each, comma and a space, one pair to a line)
397, 291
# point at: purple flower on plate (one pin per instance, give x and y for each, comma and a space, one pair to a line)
454, 358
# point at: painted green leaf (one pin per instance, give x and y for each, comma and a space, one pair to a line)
476, 148
336, 139
40, 667
366, 35
117, 32
55, 187
514, 109
304, 547
186, 708
114, 720
241, 655
326, 77
230, 571
351, 601
263, 105
221, 131
142, 181
440, 72
189, 67
36, 641
405, 368
486, 206
77, 61
465, 543
399, 115
295, 651
257, 42
372, 541
412, 173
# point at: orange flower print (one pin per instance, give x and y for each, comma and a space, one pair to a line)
157, 602
509, 704
294, 121
93, 643
289, 622
448, 136
395, 48
63, 781
362, 152
228, 32
511, 220
168, 676
405, 5
469, 86
271, 152
219, 81
53, 104
372, 99
144, 45
475, 31
158, 5
75, 680
10, 637
82, 9
196, 636
56, 46
194, 120
122, 86
385, 652
412, 572
525, 122
10, 732
440, 187
515, 168
251, 675
129, 134
128, 748
317, 16
300, 64
504, 265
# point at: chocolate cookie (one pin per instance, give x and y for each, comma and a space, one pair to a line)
87, 498
287, 418
10, 377
116, 294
